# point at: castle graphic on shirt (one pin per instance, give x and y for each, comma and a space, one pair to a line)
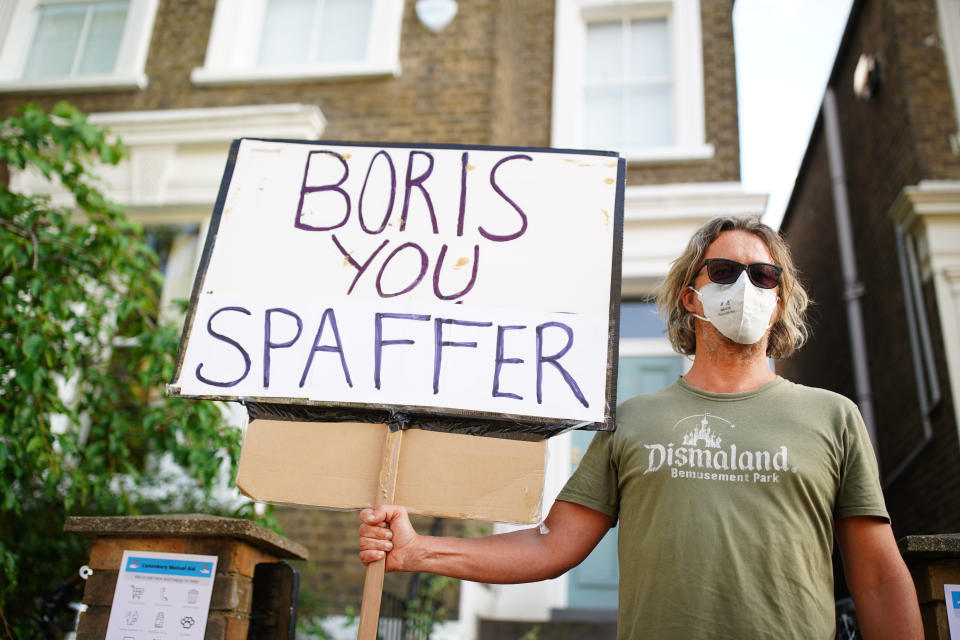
702, 454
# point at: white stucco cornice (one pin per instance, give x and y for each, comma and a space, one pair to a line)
175, 157
659, 220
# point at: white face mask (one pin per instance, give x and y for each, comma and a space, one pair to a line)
741, 311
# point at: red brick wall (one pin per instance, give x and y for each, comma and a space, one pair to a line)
896, 139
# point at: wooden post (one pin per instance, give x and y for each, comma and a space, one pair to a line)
373, 581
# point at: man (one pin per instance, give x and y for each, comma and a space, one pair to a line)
730, 485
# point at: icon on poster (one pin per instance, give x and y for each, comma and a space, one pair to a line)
186, 622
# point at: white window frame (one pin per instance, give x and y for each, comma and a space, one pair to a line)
235, 42
20, 18
683, 22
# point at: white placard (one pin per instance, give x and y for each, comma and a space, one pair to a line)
161, 595
445, 278
951, 593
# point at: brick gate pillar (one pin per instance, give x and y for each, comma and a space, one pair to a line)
934, 560
240, 546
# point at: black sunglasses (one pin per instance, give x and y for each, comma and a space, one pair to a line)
726, 271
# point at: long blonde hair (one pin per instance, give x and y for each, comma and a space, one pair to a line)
788, 333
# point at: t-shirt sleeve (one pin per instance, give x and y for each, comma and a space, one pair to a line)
594, 483
860, 493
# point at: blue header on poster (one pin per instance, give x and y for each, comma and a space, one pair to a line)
184, 568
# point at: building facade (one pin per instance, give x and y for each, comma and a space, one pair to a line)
178, 80
874, 221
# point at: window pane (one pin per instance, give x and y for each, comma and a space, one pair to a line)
603, 118
649, 49
55, 41
651, 113
640, 320
344, 30
646, 374
604, 51
287, 26
103, 38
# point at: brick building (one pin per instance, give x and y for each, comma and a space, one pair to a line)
179, 79
889, 125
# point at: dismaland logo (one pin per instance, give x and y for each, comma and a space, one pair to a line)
702, 454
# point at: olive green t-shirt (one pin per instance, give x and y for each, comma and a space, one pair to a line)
727, 506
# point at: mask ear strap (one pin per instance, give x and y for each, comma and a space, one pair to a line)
699, 295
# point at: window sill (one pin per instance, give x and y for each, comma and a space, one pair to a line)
276, 75
696, 153
132, 81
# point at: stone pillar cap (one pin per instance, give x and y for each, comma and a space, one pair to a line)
932, 545
188, 525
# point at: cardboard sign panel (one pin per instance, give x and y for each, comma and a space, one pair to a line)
440, 474
450, 281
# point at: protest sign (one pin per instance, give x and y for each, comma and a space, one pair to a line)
434, 280
461, 289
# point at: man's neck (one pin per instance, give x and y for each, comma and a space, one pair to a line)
722, 366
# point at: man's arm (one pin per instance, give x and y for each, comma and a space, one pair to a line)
879, 581
566, 537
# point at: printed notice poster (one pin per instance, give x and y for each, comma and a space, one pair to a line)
951, 594
161, 595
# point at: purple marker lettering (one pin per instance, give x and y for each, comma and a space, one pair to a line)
436, 275
464, 163
269, 345
553, 360
230, 341
328, 313
417, 182
439, 343
496, 187
500, 361
393, 193
304, 190
379, 342
356, 265
424, 262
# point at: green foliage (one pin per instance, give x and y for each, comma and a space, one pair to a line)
427, 609
532, 634
83, 416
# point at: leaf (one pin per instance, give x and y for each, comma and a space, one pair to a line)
33, 345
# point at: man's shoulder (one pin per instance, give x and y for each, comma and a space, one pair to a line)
817, 395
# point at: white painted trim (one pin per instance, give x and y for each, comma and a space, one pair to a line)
131, 57
693, 153
687, 54
112, 82
201, 76
930, 212
216, 124
696, 200
176, 157
235, 40
658, 221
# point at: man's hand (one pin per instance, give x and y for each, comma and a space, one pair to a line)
386, 532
